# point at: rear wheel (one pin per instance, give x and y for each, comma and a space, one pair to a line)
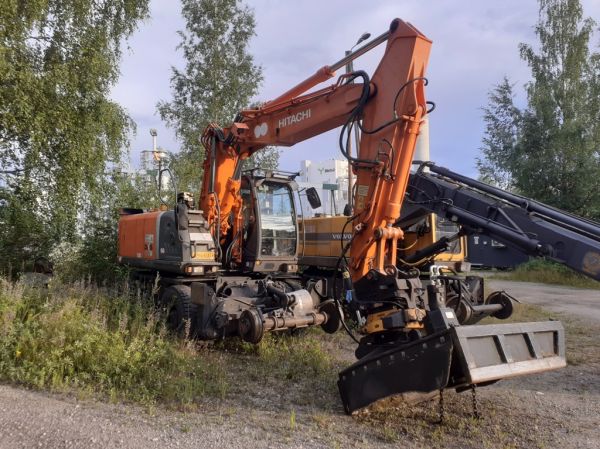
182, 313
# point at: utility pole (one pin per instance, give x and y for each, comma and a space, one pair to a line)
155, 156
153, 133
350, 69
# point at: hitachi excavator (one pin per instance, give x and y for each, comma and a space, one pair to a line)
230, 264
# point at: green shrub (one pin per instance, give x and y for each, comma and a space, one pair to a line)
83, 338
547, 272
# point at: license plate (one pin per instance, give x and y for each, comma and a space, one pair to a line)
204, 255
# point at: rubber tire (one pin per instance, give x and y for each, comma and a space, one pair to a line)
178, 300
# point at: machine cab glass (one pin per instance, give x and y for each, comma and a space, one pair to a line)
278, 219
270, 224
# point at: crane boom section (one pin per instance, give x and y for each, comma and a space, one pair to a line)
394, 98
391, 122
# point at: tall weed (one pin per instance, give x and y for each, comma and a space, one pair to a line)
547, 272
80, 337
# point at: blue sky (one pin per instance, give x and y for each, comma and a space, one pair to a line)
474, 46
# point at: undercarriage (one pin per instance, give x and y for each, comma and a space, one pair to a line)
236, 305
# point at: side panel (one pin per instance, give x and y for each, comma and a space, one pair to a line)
320, 240
170, 245
499, 351
138, 235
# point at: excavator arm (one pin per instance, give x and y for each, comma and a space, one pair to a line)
279, 122
391, 106
412, 341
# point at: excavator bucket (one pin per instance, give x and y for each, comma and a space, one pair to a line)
499, 351
454, 358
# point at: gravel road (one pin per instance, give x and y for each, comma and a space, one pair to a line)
30, 419
583, 303
556, 409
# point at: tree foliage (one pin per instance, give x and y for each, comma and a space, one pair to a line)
551, 149
219, 79
502, 120
58, 128
96, 253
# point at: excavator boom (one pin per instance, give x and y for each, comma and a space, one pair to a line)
391, 106
521, 223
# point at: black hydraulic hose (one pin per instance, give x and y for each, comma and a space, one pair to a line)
347, 281
217, 230
277, 292
213, 164
437, 247
229, 250
355, 115
237, 172
394, 113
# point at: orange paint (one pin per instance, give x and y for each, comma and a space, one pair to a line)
131, 227
396, 92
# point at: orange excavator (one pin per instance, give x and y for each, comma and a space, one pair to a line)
229, 265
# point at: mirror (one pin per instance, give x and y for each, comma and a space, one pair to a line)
313, 197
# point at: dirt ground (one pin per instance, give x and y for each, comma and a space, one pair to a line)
582, 303
555, 409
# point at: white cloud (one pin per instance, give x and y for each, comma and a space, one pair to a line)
474, 46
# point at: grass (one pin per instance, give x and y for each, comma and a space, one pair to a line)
546, 272
297, 366
76, 338
92, 342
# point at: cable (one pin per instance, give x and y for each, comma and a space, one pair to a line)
346, 328
355, 116
217, 231
335, 277
350, 220
419, 78
407, 247
229, 250
418, 262
395, 115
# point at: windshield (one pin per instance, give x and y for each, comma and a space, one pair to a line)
277, 219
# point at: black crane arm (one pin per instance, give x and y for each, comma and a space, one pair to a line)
529, 226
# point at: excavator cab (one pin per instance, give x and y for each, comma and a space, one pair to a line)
270, 227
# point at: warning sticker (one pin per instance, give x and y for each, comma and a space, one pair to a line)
362, 190
361, 194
